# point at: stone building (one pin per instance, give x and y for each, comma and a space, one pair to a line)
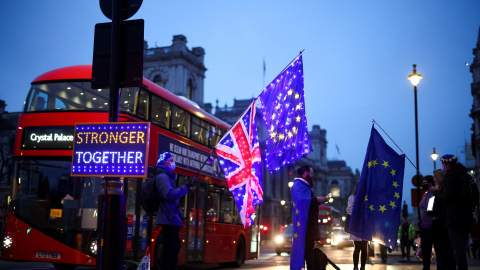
8, 126
177, 68
475, 112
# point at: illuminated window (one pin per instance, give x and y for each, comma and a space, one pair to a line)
200, 130
180, 121
160, 113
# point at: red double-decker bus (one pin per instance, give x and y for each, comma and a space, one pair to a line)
52, 217
328, 217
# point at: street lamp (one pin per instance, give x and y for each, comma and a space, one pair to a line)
415, 79
434, 157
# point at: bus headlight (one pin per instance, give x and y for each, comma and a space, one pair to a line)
329, 240
93, 247
279, 239
7, 241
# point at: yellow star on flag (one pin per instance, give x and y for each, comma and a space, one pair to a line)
297, 212
295, 235
382, 208
364, 200
298, 223
371, 207
385, 163
396, 195
395, 184
374, 163
392, 204
369, 164
293, 204
393, 172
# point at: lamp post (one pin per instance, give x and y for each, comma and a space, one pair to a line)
415, 79
434, 157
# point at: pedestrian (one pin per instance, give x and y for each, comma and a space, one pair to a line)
305, 215
457, 207
426, 232
168, 214
406, 232
383, 252
441, 240
359, 243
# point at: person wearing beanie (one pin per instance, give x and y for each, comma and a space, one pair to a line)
168, 213
458, 214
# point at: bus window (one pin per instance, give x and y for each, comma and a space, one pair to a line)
180, 121
160, 112
200, 130
38, 101
213, 203
215, 135
142, 104
67, 96
127, 100
227, 206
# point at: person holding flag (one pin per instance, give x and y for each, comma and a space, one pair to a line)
305, 220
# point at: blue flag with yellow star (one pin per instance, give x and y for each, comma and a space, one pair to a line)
301, 198
376, 211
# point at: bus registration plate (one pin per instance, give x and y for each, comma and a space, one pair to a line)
47, 255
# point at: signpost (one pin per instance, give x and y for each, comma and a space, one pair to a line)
112, 231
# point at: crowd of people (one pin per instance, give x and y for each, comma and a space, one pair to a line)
446, 225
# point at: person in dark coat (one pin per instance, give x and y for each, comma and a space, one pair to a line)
168, 214
304, 198
441, 240
458, 214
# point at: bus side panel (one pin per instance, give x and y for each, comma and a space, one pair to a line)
27, 241
221, 242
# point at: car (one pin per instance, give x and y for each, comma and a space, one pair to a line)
340, 238
283, 241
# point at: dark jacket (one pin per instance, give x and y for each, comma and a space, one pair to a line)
169, 211
457, 207
313, 232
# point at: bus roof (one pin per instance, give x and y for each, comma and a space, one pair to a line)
84, 72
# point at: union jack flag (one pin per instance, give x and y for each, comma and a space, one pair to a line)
240, 159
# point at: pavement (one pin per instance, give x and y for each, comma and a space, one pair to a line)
394, 261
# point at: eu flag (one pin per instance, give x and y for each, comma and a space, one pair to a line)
376, 211
283, 112
301, 197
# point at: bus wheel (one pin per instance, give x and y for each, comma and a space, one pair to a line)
240, 259
158, 252
64, 266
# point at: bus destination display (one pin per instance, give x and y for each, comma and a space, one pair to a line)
111, 149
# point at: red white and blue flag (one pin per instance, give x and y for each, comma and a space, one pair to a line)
240, 159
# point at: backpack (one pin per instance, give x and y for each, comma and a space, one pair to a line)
470, 190
150, 199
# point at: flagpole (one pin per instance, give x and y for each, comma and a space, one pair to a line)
375, 122
208, 158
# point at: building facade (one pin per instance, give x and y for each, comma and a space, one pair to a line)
475, 112
176, 68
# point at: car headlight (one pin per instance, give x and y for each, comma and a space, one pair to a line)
338, 239
279, 239
7, 240
329, 240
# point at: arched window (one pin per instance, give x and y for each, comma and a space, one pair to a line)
335, 189
189, 89
158, 80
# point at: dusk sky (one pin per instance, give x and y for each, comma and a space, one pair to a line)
358, 55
